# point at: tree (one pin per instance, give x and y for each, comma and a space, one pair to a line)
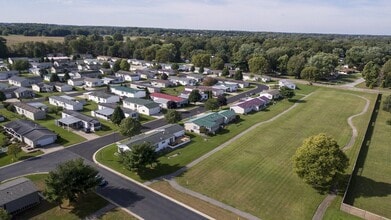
217, 63
118, 37
54, 77
172, 116
212, 104
3, 47
2, 96
124, 65
287, 92
371, 74
130, 127
201, 70
139, 156
171, 105
295, 65
386, 74
164, 76
310, 73
4, 215
209, 81
174, 66
201, 59
14, 149
319, 160
282, 63
194, 96
116, 65
225, 72
387, 104
222, 100
238, 75
258, 64
66, 76
192, 68
324, 62
117, 116
20, 65
70, 180
106, 65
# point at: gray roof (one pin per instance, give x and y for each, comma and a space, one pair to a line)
155, 136
16, 189
18, 78
92, 79
147, 103
29, 129
22, 89
27, 107
80, 116
101, 95
64, 100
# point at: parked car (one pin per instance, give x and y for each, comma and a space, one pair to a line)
102, 181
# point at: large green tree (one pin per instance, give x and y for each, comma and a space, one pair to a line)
371, 73
172, 116
54, 77
124, 65
295, 65
3, 48
286, 92
209, 81
117, 116
130, 127
139, 156
70, 180
324, 62
201, 60
319, 161
258, 64
116, 65
20, 65
386, 74
310, 73
194, 96
217, 63
212, 104
238, 75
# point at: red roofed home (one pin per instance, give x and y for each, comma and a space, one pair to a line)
162, 99
251, 104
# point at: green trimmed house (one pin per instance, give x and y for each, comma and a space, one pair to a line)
210, 122
123, 91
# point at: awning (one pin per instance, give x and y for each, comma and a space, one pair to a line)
69, 120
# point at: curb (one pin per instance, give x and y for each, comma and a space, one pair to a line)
146, 187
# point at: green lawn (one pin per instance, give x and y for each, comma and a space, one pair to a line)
198, 145
371, 187
173, 90
85, 206
255, 173
65, 137
6, 159
117, 214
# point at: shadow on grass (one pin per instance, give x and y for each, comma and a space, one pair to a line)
25, 157
365, 187
297, 100
158, 171
41, 208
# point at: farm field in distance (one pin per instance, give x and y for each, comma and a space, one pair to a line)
15, 39
254, 173
371, 187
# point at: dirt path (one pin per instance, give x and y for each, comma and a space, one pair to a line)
321, 210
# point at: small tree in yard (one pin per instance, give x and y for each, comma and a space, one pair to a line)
319, 161
212, 104
2, 96
164, 76
4, 215
171, 105
117, 116
225, 72
140, 156
238, 75
172, 116
209, 81
14, 149
287, 92
194, 96
222, 100
130, 127
70, 180
54, 78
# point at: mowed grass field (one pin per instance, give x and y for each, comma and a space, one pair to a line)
371, 188
255, 173
15, 39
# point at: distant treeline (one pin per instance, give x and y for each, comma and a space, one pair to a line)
312, 56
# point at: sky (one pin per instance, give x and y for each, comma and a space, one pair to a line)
298, 16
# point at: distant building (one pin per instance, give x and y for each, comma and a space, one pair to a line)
209, 122
65, 103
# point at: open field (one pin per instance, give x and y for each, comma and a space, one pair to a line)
198, 146
371, 188
15, 39
85, 206
200, 205
255, 174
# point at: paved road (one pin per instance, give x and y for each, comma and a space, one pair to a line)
137, 199
125, 193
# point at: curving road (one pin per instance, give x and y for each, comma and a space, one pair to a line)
121, 191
